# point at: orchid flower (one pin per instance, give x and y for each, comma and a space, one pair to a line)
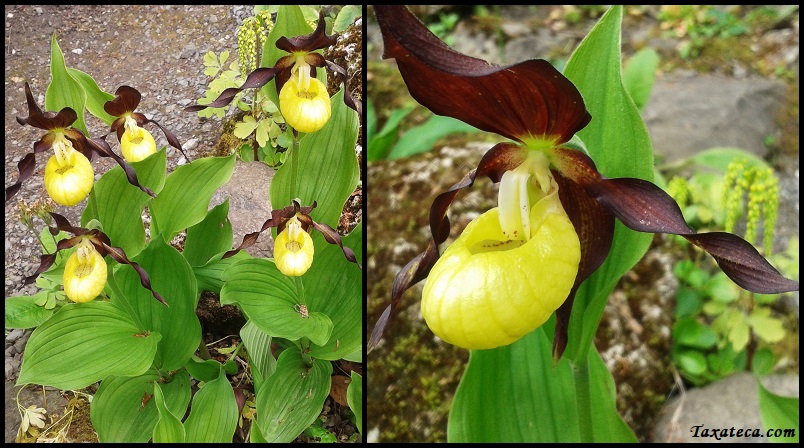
516, 264
85, 272
303, 99
69, 176
136, 142
293, 246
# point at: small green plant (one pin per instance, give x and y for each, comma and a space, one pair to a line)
444, 26
721, 329
697, 25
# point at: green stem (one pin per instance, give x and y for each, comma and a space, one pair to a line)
294, 155
299, 289
203, 351
583, 400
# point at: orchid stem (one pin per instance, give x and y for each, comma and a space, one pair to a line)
583, 400
295, 149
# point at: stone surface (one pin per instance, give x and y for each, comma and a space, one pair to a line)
688, 114
731, 402
249, 204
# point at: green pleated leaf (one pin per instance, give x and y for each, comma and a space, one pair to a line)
211, 236
291, 399
169, 428
185, 199
173, 278
514, 394
118, 205
84, 343
354, 396
260, 357
117, 412
270, 300
63, 90
779, 413
213, 417
334, 286
96, 97
210, 276
23, 312
619, 144
326, 165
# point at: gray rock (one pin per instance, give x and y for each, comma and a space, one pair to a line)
688, 115
15, 334
731, 402
249, 204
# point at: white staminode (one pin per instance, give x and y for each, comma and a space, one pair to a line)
519, 190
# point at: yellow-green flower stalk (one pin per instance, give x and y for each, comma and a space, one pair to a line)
68, 174
84, 273
293, 249
304, 101
137, 143
510, 269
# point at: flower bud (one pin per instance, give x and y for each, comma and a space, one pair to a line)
305, 109
293, 249
488, 290
84, 274
137, 143
68, 175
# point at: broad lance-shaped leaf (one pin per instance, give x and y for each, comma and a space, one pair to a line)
500, 158
644, 207
530, 98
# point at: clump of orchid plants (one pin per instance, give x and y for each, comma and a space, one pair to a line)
69, 176
516, 264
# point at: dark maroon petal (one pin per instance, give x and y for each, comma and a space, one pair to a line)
255, 79
594, 225
26, 169
497, 160
126, 100
277, 219
102, 148
47, 260
33, 108
62, 224
347, 95
316, 40
644, 207
332, 237
415, 271
104, 248
171, 138
530, 98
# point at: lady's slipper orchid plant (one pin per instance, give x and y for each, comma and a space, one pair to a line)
516, 264
68, 174
303, 99
85, 272
293, 246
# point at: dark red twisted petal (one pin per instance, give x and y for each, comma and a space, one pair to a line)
517, 101
126, 100
644, 207
316, 40
594, 225
499, 159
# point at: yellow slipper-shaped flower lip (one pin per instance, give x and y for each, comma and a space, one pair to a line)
85, 278
308, 110
137, 144
293, 254
70, 183
486, 292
